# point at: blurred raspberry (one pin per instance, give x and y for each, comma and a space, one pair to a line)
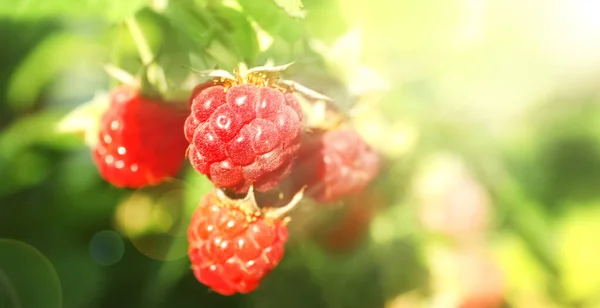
334, 164
140, 141
467, 278
451, 201
482, 282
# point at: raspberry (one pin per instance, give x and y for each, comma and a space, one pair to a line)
233, 244
140, 141
449, 199
479, 279
333, 164
244, 134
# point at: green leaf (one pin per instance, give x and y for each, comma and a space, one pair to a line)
22, 165
292, 7
53, 55
186, 20
326, 20
110, 10
221, 54
29, 169
116, 10
36, 129
272, 19
27, 277
240, 30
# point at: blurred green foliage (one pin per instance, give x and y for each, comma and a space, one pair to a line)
508, 89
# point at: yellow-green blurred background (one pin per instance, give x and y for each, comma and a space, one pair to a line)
487, 114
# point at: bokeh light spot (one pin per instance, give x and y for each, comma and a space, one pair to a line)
107, 247
27, 277
155, 221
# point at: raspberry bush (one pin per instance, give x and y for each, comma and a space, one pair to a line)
246, 132
287, 153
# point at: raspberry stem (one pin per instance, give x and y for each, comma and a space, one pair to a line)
247, 204
250, 200
121, 75
155, 72
278, 213
140, 41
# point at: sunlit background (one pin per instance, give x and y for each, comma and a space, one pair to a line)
487, 114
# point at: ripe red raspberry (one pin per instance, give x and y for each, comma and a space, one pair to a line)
333, 164
233, 244
140, 141
242, 135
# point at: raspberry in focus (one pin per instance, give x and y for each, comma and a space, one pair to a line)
243, 135
233, 245
140, 142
